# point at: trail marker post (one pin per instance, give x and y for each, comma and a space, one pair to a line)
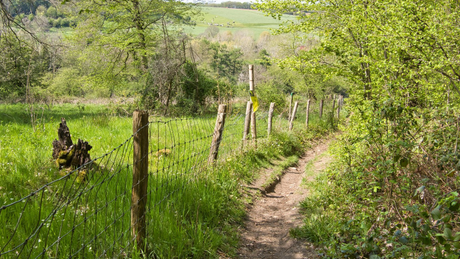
247, 122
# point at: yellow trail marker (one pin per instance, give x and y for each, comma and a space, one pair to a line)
255, 102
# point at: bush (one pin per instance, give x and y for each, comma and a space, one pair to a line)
393, 191
270, 92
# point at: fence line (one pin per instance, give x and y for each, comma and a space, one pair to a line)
86, 212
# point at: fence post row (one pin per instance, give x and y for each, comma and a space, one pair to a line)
293, 115
308, 113
217, 136
270, 117
140, 176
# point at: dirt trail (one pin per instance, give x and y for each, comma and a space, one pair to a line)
266, 233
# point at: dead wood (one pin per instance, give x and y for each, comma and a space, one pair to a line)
68, 154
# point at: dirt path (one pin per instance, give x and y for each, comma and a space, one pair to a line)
266, 233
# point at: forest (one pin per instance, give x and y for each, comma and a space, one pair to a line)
393, 188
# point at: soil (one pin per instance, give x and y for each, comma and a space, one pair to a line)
274, 214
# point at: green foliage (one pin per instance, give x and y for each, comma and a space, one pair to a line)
264, 58
21, 64
270, 92
51, 12
226, 63
393, 191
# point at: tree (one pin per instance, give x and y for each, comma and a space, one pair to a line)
128, 34
401, 143
375, 43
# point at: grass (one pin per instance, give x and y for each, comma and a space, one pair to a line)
278, 169
192, 212
254, 21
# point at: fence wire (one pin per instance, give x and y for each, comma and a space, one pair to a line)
83, 213
86, 212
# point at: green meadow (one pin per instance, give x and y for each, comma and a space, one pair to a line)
235, 20
193, 209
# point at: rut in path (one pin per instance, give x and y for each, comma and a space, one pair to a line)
266, 232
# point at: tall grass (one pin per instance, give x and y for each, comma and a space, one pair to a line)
193, 210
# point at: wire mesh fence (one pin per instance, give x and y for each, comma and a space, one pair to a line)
83, 213
86, 212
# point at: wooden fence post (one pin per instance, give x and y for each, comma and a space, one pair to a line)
290, 106
140, 176
321, 108
338, 107
217, 136
247, 122
308, 113
270, 116
293, 115
332, 113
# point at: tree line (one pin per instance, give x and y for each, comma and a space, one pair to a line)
139, 49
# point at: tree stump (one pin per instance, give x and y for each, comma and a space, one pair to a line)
68, 154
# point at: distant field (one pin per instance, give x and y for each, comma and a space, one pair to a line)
231, 20
236, 19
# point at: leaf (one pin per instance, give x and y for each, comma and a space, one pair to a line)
456, 245
436, 213
419, 190
404, 162
448, 233
403, 240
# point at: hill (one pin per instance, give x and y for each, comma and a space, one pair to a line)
233, 20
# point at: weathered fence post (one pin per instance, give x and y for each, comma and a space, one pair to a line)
321, 108
270, 116
254, 128
293, 115
339, 105
332, 113
290, 106
308, 113
140, 176
253, 114
247, 122
217, 136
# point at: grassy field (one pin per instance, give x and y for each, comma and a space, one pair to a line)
193, 210
236, 19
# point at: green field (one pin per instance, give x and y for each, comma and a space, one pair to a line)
236, 19
193, 209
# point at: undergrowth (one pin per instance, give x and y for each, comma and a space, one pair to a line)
393, 190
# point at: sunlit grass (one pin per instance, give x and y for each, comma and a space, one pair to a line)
192, 208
